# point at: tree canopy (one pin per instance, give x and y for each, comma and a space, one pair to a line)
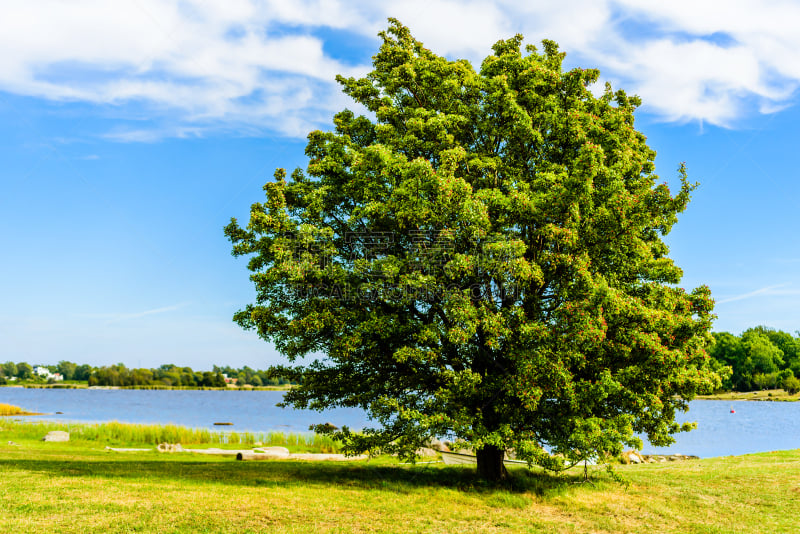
481, 257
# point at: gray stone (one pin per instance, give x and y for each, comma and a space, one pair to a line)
277, 451
170, 447
437, 445
56, 435
632, 457
426, 452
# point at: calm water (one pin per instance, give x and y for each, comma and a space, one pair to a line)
755, 427
247, 410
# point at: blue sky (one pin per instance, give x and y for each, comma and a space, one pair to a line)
133, 130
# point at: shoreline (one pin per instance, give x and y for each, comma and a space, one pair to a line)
773, 395
766, 395
148, 388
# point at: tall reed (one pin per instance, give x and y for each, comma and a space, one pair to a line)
116, 432
10, 409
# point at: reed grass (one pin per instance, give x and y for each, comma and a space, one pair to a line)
128, 433
159, 387
57, 385
10, 409
205, 388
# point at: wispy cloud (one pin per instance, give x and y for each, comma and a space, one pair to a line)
262, 64
120, 317
777, 290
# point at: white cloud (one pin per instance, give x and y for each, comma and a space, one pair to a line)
118, 317
464, 28
707, 59
204, 61
197, 65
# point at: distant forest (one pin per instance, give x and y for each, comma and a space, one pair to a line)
760, 358
119, 375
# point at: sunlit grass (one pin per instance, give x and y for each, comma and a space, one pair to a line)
78, 486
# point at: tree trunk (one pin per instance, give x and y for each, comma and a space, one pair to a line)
490, 463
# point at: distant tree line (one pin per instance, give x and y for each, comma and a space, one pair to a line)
165, 375
24, 371
253, 377
760, 358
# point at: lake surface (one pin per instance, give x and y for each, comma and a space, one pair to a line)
247, 410
754, 427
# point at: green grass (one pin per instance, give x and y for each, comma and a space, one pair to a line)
79, 487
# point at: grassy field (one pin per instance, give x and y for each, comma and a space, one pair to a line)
78, 486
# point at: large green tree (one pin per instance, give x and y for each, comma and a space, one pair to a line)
10, 369
24, 371
67, 369
480, 257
